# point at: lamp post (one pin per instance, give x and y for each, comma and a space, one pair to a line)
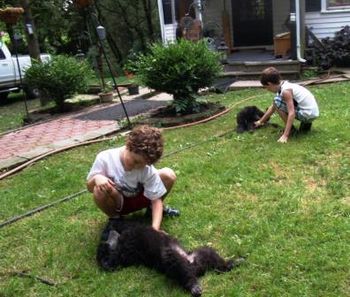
101, 34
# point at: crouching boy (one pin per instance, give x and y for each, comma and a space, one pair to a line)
292, 102
124, 180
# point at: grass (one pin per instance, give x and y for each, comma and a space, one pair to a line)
13, 110
284, 206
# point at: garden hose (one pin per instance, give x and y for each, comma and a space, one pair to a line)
26, 164
67, 198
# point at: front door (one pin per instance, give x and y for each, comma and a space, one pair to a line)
252, 22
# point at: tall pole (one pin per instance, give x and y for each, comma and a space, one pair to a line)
101, 33
17, 37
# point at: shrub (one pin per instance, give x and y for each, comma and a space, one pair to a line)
180, 69
59, 78
336, 51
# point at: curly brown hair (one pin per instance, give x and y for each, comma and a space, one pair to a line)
270, 75
146, 141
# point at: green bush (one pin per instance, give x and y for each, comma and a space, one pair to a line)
59, 78
180, 69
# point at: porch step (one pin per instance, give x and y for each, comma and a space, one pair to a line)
254, 66
254, 75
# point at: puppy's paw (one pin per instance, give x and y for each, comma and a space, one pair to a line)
237, 261
196, 290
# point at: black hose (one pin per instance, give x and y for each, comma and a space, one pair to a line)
38, 209
43, 207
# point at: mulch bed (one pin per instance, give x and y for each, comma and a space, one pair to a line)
167, 117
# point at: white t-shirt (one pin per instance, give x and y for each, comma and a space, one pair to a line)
306, 101
130, 183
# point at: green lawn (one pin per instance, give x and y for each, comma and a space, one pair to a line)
286, 207
13, 111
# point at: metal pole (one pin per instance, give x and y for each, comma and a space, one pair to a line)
17, 37
101, 34
115, 83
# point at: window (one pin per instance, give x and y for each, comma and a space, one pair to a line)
167, 12
331, 5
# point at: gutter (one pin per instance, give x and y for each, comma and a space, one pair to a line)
161, 19
199, 10
297, 19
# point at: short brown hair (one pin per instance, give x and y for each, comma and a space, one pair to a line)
270, 75
146, 141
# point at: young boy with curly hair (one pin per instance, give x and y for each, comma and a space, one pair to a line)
124, 180
292, 101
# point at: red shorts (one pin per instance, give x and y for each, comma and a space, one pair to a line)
136, 203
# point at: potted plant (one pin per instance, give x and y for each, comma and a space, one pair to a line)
10, 15
130, 68
83, 3
133, 87
107, 92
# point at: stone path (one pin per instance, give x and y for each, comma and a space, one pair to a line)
29, 142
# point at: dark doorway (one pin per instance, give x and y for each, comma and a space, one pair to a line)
252, 22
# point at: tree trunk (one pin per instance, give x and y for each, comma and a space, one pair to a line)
33, 44
148, 15
9, 29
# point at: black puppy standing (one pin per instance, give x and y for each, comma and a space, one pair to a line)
125, 244
246, 118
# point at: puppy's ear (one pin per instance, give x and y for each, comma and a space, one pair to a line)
112, 240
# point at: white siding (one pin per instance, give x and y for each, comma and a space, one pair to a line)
170, 33
326, 24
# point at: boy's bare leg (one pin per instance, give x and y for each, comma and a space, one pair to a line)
283, 115
168, 177
110, 203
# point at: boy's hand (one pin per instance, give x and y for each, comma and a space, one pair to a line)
258, 123
283, 139
104, 184
162, 231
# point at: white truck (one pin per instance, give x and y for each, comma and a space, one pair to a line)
9, 74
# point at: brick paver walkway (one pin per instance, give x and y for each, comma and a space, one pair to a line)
29, 142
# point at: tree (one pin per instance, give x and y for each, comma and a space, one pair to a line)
33, 44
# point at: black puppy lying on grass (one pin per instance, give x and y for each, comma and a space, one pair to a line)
125, 244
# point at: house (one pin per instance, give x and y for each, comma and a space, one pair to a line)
258, 24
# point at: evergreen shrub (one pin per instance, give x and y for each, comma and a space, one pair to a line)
59, 78
180, 69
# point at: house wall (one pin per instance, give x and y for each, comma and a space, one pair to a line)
212, 15
322, 24
326, 24
280, 13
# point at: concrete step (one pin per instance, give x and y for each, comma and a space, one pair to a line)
258, 66
255, 75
